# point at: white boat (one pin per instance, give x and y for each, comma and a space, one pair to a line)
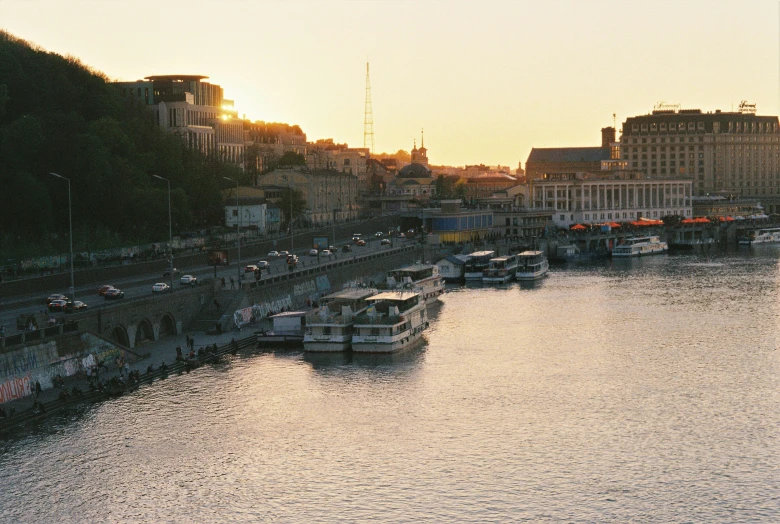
329, 328
500, 270
762, 236
531, 265
476, 264
393, 321
424, 278
640, 246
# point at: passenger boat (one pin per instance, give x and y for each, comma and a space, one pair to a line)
500, 270
531, 265
476, 264
393, 321
762, 236
424, 278
640, 246
329, 328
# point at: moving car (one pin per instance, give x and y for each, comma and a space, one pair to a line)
326, 252
284, 253
356, 237
385, 242
188, 280
56, 296
102, 289
57, 305
160, 287
167, 272
347, 248
273, 254
313, 252
292, 259
263, 264
78, 305
378, 234
251, 268
114, 294
360, 243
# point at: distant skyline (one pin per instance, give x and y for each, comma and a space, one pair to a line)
486, 80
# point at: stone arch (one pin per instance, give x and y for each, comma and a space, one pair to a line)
167, 326
119, 334
144, 332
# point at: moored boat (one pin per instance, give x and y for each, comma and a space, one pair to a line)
329, 328
288, 330
640, 246
531, 265
476, 264
762, 236
393, 321
424, 278
500, 270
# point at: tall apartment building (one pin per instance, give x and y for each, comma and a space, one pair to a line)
733, 154
193, 109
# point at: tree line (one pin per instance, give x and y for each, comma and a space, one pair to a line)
57, 115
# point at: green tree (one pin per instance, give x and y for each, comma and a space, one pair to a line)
291, 158
291, 200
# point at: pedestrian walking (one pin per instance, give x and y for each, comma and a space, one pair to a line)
232, 283
223, 282
216, 304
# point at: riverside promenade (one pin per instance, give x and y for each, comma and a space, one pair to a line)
19, 413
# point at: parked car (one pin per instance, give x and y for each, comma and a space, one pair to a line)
57, 305
114, 294
188, 280
346, 248
326, 252
273, 254
160, 287
313, 252
263, 264
167, 272
56, 296
385, 242
251, 268
360, 243
102, 289
71, 307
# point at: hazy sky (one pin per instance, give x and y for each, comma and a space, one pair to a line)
488, 80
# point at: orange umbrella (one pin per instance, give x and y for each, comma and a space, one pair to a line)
577, 227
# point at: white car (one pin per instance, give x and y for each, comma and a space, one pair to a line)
284, 253
160, 287
251, 268
313, 252
263, 264
273, 254
326, 252
188, 280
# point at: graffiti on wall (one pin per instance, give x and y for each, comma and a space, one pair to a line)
15, 388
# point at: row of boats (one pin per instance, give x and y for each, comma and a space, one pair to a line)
486, 267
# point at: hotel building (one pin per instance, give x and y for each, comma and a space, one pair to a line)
733, 154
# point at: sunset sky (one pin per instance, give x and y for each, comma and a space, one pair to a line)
488, 80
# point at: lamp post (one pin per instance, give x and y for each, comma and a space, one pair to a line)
238, 230
170, 227
70, 228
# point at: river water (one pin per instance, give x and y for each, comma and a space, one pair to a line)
623, 391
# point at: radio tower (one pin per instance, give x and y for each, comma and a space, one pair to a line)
368, 118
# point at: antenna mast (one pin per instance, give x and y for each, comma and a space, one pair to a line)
368, 118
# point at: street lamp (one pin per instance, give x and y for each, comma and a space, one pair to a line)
238, 229
170, 226
70, 228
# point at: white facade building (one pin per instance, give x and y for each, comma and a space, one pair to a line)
587, 198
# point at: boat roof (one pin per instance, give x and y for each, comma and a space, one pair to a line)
530, 253
413, 267
352, 293
394, 295
481, 253
506, 257
290, 314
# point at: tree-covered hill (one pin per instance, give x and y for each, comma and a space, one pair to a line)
57, 115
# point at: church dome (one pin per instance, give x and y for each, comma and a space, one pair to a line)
414, 171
